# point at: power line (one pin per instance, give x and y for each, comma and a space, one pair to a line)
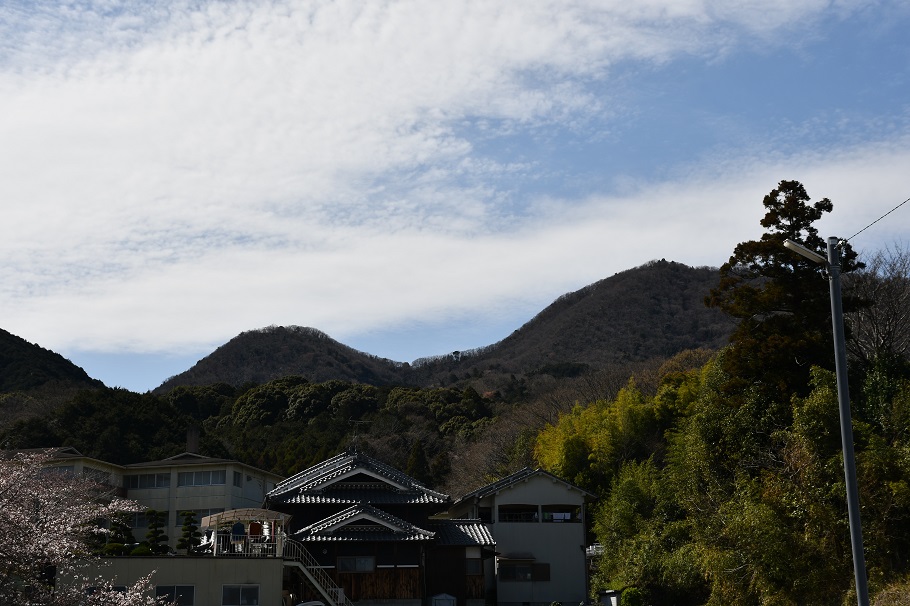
877, 220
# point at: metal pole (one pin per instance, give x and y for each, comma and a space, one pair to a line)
846, 424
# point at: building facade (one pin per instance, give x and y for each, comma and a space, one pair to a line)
377, 534
538, 523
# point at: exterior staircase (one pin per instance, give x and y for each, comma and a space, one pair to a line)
295, 554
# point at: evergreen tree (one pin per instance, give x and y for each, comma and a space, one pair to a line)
781, 299
155, 537
191, 538
119, 537
418, 468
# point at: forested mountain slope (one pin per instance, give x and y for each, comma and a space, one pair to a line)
653, 311
34, 379
258, 356
25, 366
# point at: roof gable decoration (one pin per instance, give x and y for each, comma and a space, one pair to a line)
355, 516
341, 467
345, 478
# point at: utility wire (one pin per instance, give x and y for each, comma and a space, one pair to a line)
877, 220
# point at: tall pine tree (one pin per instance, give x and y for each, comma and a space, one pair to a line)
781, 299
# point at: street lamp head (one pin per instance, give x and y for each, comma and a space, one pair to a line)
802, 250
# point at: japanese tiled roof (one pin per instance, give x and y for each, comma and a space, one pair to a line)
516, 478
363, 522
462, 532
353, 477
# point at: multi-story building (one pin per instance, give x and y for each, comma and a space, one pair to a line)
185, 482
538, 523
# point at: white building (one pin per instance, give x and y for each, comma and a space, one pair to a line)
185, 482
538, 523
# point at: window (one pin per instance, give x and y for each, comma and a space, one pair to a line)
240, 595
202, 512
518, 513
561, 513
96, 475
139, 520
201, 478
147, 480
182, 595
356, 564
473, 566
238, 479
524, 571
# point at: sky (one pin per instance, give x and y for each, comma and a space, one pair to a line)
413, 177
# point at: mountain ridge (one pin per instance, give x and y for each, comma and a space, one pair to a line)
651, 311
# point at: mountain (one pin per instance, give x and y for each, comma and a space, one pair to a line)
34, 380
652, 311
258, 356
25, 366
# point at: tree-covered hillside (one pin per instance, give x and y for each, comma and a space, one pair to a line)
283, 426
725, 485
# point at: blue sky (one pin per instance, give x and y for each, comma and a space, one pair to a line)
412, 177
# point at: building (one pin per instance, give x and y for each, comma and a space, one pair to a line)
352, 529
192, 482
378, 536
537, 521
185, 482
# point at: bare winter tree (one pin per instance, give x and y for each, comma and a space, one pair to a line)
882, 328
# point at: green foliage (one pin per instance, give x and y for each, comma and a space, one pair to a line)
741, 500
109, 424
25, 366
780, 299
143, 549
155, 537
648, 542
633, 596
190, 537
119, 537
588, 445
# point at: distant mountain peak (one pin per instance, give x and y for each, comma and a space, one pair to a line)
651, 311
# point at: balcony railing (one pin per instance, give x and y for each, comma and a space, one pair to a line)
258, 546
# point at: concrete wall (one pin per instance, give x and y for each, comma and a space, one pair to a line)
207, 575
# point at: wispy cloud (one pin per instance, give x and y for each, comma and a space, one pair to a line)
175, 172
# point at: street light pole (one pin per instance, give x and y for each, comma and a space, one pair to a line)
832, 264
846, 423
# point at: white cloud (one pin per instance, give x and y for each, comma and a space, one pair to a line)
176, 172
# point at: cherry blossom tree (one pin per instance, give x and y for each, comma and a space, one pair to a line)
50, 520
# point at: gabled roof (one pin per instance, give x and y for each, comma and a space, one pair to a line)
363, 522
185, 458
463, 532
192, 458
353, 477
522, 475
